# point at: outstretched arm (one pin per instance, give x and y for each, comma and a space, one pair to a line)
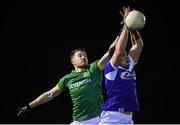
45, 97
137, 45
106, 57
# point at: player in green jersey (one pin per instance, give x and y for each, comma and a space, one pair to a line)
85, 87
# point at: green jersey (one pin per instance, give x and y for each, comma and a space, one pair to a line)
85, 90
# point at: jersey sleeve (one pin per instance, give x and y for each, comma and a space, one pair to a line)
100, 66
109, 68
62, 84
132, 63
95, 65
110, 71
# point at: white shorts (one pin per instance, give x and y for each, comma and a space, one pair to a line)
89, 121
113, 117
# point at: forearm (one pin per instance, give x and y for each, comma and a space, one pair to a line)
137, 45
137, 40
122, 41
112, 47
103, 61
44, 98
107, 56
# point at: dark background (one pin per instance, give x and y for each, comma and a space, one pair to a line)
37, 37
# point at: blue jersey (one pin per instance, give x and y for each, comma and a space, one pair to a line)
121, 88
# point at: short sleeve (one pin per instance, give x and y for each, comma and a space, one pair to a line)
132, 63
95, 66
62, 84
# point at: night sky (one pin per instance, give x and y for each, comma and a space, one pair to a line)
37, 37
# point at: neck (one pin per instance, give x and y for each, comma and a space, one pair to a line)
77, 69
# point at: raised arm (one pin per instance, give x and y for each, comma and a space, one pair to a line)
120, 47
121, 40
106, 57
121, 44
137, 45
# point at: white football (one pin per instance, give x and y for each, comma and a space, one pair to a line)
135, 20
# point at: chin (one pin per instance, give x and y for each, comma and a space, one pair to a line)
82, 66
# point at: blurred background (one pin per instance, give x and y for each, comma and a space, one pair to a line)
37, 37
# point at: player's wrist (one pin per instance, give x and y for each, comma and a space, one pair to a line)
123, 28
28, 107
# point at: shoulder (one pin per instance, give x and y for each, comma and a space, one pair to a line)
65, 77
62, 84
110, 68
94, 66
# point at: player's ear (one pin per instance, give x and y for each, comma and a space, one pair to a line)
73, 61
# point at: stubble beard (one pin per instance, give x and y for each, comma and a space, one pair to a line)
83, 66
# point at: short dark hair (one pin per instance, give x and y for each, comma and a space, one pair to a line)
75, 50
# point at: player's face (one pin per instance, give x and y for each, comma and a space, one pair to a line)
80, 59
125, 61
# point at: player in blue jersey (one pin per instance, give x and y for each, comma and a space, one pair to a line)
120, 79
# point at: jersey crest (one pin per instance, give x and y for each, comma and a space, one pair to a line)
127, 75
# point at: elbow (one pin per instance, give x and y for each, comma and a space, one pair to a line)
141, 45
49, 96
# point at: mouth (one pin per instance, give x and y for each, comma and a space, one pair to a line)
127, 61
84, 60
